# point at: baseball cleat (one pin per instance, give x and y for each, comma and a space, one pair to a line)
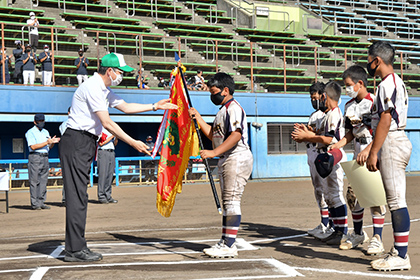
353, 240
325, 233
221, 250
336, 238
392, 262
318, 230
376, 246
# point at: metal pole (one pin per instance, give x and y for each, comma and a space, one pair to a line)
345, 58
97, 50
401, 57
316, 65
217, 56
140, 53
3, 66
284, 69
179, 47
206, 163
252, 67
52, 55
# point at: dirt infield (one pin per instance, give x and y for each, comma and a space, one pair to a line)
138, 243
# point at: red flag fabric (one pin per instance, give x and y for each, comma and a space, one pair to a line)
176, 147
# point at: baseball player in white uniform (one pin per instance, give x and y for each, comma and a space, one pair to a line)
332, 131
390, 150
324, 229
229, 135
357, 116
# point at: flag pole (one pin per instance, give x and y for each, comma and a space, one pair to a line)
206, 163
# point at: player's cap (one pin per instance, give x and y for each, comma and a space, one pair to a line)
81, 50
39, 117
115, 60
46, 47
28, 46
325, 162
18, 42
31, 14
149, 137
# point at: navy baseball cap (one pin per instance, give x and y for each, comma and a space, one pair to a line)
39, 117
325, 162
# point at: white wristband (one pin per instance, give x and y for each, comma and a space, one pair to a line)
154, 107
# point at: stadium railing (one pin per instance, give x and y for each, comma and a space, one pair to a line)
128, 170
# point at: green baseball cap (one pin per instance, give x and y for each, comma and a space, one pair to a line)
115, 60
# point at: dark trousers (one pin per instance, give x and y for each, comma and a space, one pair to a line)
34, 41
149, 165
38, 177
77, 151
106, 166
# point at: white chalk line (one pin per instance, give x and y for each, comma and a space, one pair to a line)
287, 271
358, 273
144, 230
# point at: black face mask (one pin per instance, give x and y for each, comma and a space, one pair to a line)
80, 54
319, 105
217, 98
371, 70
18, 46
28, 50
40, 125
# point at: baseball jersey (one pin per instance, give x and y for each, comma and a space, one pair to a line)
82, 70
30, 64
332, 126
35, 136
358, 116
230, 117
46, 65
391, 94
90, 97
110, 145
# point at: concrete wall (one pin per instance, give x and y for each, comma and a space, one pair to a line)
18, 104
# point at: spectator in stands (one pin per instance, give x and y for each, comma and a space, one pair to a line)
149, 165
18, 53
199, 83
39, 143
29, 60
163, 83
106, 166
140, 81
33, 30
5, 59
46, 68
81, 64
62, 128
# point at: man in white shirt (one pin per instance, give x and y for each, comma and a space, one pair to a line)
88, 115
33, 30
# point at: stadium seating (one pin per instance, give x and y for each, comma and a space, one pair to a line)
152, 32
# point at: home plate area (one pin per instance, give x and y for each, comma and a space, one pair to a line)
186, 267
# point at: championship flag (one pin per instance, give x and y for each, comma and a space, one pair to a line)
176, 140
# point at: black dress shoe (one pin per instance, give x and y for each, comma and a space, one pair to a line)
103, 201
36, 208
112, 200
85, 255
45, 206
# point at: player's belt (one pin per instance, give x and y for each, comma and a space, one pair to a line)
107, 150
39, 154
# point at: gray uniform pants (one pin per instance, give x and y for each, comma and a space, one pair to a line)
106, 166
38, 177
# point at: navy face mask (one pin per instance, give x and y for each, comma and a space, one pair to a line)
40, 125
217, 98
